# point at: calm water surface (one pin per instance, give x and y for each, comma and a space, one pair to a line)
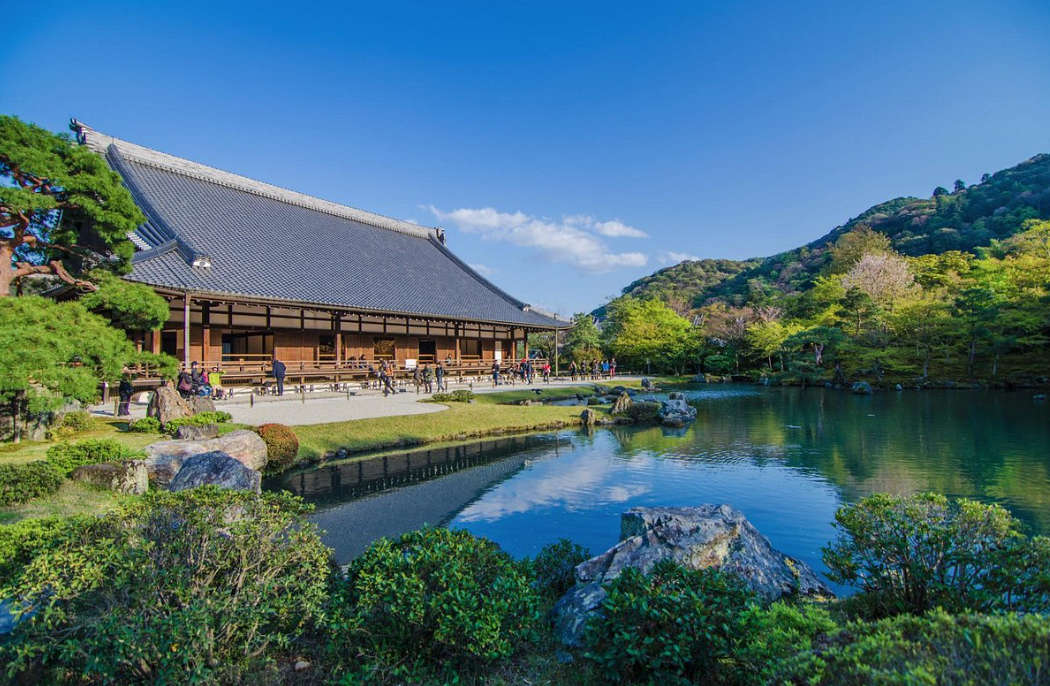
786, 457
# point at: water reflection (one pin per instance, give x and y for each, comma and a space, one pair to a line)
787, 458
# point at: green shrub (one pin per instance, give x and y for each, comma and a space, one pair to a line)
199, 419
22, 541
674, 626
21, 483
69, 456
459, 396
433, 602
146, 425
282, 446
941, 649
643, 411
195, 587
78, 421
775, 633
554, 569
915, 553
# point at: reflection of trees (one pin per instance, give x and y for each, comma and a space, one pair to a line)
988, 445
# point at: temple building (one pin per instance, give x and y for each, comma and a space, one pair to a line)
252, 270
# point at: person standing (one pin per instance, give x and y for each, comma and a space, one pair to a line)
124, 392
278, 371
439, 374
384, 379
417, 378
184, 384
428, 378
612, 368
495, 373
197, 380
546, 372
572, 370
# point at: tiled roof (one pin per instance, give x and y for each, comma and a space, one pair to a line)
266, 242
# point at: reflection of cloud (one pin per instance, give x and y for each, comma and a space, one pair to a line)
571, 484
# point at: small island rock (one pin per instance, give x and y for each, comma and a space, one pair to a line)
216, 469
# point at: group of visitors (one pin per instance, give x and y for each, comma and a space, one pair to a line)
595, 369
197, 381
524, 371
425, 377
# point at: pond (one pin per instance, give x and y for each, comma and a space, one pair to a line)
786, 457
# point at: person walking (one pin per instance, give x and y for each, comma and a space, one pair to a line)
278, 371
439, 374
495, 373
612, 368
384, 379
428, 378
124, 392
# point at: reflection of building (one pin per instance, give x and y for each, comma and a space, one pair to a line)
421, 487
251, 270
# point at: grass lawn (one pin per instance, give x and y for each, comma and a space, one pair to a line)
461, 421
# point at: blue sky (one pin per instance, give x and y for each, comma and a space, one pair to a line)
568, 148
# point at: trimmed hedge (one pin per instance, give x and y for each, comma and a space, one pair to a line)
69, 456
21, 483
199, 419
459, 396
146, 425
282, 446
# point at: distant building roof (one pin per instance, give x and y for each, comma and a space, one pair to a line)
212, 232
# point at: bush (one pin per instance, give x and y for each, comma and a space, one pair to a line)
915, 553
966, 650
775, 633
22, 541
146, 425
433, 602
200, 419
643, 411
78, 421
69, 456
282, 446
675, 626
554, 569
177, 588
459, 396
21, 483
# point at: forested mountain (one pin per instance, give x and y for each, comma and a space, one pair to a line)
962, 219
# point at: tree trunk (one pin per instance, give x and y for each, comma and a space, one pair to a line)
16, 436
7, 273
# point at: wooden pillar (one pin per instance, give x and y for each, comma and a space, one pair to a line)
186, 331
555, 352
155, 341
205, 343
338, 338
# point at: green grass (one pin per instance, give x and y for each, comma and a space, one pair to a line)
546, 393
73, 498
461, 421
28, 451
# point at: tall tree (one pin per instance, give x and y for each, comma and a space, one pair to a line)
583, 340
61, 208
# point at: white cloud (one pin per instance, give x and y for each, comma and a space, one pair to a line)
612, 229
571, 240
671, 257
482, 269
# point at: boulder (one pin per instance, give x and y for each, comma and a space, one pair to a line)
198, 433
595, 401
647, 384
861, 388
165, 458
200, 403
622, 404
126, 476
589, 417
675, 412
215, 469
166, 404
699, 378
715, 536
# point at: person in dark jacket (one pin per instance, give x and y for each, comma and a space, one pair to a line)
439, 374
184, 384
196, 379
278, 372
124, 392
428, 378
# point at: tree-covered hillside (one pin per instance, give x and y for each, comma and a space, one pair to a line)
964, 218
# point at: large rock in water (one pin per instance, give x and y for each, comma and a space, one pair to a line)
675, 411
716, 536
623, 403
126, 476
215, 469
166, 458
862, 388
166, 404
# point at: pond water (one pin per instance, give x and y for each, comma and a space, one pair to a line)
785, 457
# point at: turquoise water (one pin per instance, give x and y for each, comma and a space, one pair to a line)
786, 457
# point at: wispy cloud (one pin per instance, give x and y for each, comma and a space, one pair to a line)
576, 239
482, 269
671, 257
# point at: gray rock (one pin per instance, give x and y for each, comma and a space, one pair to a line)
622, 404
708, 536
595, 401
899, 387
199, 403
675, 412
215, 469
861, 388
166, 404
589, 417
647, 384
126, 476
163, 459
198, 433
